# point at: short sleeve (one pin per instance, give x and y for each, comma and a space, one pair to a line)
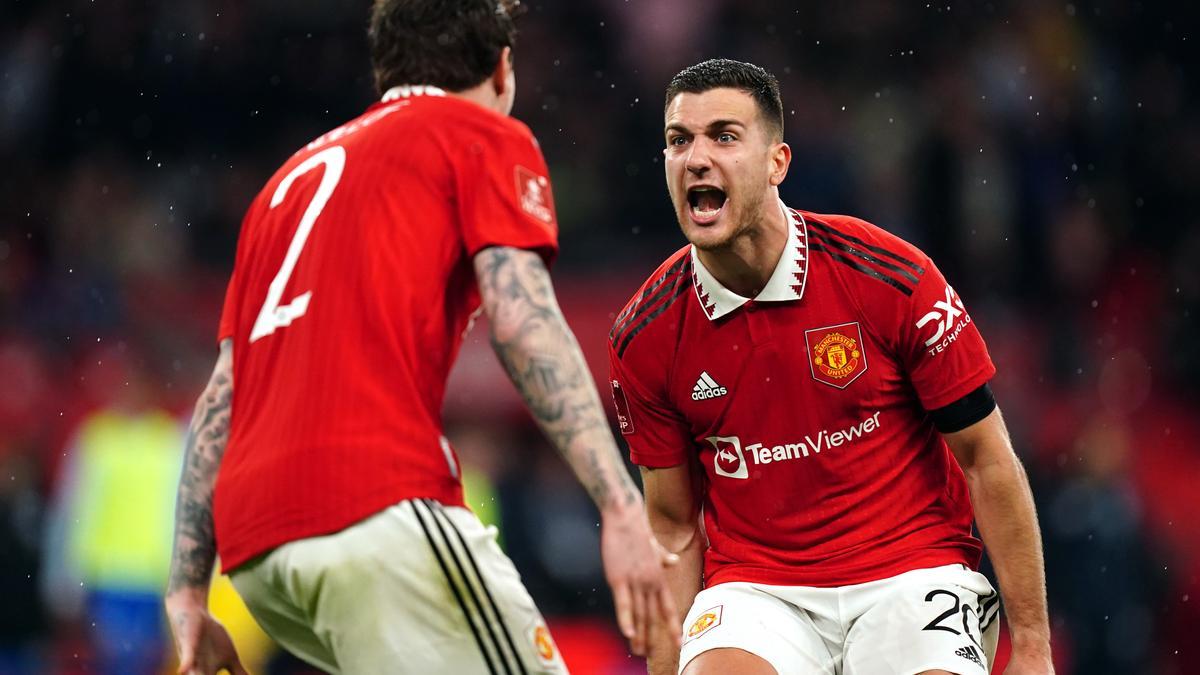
233, 291
503, 193
657, 436
942, 349
229, 310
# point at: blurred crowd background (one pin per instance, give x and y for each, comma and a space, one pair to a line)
1046, 154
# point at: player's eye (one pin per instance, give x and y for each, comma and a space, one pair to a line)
726, 137
677, 140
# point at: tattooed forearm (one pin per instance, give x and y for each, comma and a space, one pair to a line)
195, 544
542, 358
542, 381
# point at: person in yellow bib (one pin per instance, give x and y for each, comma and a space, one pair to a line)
109, 542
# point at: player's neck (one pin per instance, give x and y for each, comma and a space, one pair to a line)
482, 94
747, 263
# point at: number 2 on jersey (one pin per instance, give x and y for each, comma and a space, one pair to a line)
273, 315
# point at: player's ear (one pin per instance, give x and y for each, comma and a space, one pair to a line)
781, 159
503, 72
504, 81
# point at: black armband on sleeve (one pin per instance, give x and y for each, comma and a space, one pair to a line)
965, 411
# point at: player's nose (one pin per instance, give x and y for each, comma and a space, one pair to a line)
698, 159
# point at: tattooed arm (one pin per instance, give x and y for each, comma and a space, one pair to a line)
204, 646
537, 348
195, 546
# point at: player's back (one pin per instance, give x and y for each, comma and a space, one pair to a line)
352, 287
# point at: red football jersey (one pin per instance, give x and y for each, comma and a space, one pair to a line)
807, 405
351, 291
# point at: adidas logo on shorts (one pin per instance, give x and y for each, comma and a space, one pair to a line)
706, 387
970, 653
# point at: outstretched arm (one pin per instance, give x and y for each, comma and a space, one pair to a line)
537, 348
1007, 521
204, 646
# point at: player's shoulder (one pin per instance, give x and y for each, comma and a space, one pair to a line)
452, 122
657, 295
460, 117
832, 226
867, 251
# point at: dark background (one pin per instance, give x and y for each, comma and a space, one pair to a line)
1046, 154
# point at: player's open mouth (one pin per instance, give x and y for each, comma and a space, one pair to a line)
706, 203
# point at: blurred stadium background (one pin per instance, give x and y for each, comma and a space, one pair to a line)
1046, 154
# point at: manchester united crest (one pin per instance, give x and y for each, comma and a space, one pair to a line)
836, 354
544, 643
707, 621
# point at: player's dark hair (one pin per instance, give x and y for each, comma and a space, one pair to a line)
727, 73
451, 44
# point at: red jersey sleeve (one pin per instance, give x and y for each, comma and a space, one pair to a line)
503, 192
229, 310
940, 346
658, 436
234, 292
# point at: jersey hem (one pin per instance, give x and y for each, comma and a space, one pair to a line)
547, 251
250, 544
795, 576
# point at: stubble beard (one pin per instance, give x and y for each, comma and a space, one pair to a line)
746, 218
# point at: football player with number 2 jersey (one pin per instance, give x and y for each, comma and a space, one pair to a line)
807, 398
323, 478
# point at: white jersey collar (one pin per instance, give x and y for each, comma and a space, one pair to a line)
407, 90
786, 282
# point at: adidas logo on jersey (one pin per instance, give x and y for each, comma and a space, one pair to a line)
706, 387
969, 653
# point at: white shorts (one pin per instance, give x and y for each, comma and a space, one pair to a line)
415, 588
938, 618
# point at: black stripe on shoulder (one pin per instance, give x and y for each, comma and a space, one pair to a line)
859, 253
828, 229
682, 284
651, 295
858, 266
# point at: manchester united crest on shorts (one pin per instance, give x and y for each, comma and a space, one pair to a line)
707, 621
836, 354
544, 644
